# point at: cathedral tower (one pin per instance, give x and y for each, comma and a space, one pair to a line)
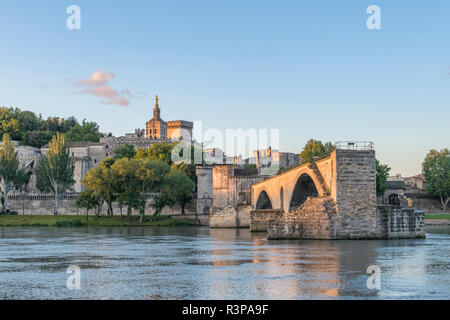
156, 128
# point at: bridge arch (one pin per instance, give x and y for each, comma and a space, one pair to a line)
264, 201
304, 187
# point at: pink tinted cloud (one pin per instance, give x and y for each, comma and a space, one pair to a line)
97, 85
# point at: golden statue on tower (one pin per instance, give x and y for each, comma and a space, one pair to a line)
156, 101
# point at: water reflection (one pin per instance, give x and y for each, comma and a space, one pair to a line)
203, 263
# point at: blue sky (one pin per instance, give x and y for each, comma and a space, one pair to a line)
309, 68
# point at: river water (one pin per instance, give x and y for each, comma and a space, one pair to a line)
203, 263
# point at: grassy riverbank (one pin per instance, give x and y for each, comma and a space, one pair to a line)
438, 216
80, 221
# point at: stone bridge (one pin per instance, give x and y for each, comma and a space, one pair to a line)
289, 190
334, 198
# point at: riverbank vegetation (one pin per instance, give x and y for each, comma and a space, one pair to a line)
80, 221
134, 179
438, 216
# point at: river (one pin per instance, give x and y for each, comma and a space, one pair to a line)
203, 263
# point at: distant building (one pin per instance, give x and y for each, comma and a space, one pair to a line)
87, 155
266, 158
416, 182
397, 177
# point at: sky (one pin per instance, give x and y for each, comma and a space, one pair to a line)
311, 69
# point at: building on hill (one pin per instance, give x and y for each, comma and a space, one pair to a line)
88, 155
29, 158
158, 129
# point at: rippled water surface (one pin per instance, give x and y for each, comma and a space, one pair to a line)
203, 263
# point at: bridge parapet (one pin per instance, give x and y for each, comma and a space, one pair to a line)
354, 145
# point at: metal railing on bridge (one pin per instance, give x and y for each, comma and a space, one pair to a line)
354, 145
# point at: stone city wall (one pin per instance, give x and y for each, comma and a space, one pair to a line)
44, 205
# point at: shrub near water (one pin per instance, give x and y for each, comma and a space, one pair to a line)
69, 223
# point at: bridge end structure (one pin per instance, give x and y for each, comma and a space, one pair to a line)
345, 208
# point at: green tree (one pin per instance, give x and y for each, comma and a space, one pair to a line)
436, 169
159, 151
162, 200
55, 172
87, 131
151, 175
124, 151
315, 150
29, 129
179, 187
382, 175
11, 174
87, 201
101, 182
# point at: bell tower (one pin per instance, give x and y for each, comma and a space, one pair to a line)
156, 128
156, 109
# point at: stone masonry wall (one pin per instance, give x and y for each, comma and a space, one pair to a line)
315, 219
397, 223
260, 219
230, 217
355, 195
44, 205
318, 219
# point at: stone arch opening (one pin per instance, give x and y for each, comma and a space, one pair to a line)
394, 199
304, 188
263, 201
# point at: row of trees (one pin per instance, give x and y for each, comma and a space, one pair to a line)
133, 178
32, 130
55, 172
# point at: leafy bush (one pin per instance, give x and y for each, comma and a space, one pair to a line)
77, 223
64, 223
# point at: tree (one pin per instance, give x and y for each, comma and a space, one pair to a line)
124, 151
179, 187
382, 175
136, 180
29, 129
11, 174
436, 169
315, 150
55, 172
159, 151
151, 175
162, 200
87, 201
87, 131
101, 182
